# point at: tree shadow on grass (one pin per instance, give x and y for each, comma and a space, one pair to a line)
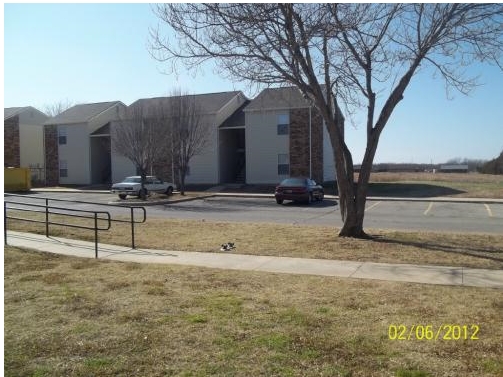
492, 253
410, 190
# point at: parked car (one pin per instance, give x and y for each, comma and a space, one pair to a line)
298, 189
132, 186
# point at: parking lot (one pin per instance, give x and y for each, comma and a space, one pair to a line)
380, 214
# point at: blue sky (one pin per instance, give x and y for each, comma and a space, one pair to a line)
88, 53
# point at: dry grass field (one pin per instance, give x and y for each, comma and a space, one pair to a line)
67, 316
423, 184
82, 317
321, 242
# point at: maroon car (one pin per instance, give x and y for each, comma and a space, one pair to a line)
299, 190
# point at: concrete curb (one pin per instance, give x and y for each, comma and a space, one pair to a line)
271, 196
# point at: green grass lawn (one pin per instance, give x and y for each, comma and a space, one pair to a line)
67, 316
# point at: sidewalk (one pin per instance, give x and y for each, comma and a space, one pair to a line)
442, 275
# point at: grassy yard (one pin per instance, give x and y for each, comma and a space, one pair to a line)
424, 184
468, 250
82, 317
67, 316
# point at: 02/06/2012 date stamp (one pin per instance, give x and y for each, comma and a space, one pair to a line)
447, 332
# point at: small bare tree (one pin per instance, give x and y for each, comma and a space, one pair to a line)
58, 107
190, 134
141, 135
343, 57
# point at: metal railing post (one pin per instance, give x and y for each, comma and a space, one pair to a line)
47, 217
96, 235
5, 222
132, 229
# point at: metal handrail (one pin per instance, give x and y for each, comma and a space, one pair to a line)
47, 212
132, 219
105, 216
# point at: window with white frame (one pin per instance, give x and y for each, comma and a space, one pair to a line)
283, 164
61, 135
63, 169
283, 124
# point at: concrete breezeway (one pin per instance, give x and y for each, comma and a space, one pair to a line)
424, 274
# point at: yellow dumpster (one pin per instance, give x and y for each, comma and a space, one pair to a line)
17, 179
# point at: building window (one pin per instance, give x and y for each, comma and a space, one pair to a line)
63, 169
283, 164
61, 136
283, 124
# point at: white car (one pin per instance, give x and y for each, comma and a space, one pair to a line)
132, 186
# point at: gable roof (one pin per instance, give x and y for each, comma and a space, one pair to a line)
81, 113
237, 119
210, 103
278, 98
10, 112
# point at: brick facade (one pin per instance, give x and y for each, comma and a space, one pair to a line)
51, 155
299, 144
11, 142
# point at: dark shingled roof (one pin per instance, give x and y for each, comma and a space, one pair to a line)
81, 113
209, 103
278, 98
10, 112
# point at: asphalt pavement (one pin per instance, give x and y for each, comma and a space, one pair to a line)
424, 274
460, 215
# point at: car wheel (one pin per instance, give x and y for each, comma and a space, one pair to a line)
122, 196
279, 201
321, 197
169, 191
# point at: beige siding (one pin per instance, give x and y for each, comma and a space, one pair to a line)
76, 154
204, 168
263, 145
31, 145
31, 138
121, 167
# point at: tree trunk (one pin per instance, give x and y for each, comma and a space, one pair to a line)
142, 190
182, 173
352, 199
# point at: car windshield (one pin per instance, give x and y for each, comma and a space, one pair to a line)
293, 182
132, 180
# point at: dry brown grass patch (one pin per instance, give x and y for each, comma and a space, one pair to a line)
321, 242
212, 322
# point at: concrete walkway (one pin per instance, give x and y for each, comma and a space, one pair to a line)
227, 260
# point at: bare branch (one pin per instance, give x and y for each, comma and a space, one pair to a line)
340, 56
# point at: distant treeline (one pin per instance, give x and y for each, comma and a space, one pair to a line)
482, 166
494, 166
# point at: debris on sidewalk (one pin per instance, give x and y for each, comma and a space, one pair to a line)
227, 246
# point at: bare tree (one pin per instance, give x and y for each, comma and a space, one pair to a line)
58, 107
343, 57
190, 135
141, 135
